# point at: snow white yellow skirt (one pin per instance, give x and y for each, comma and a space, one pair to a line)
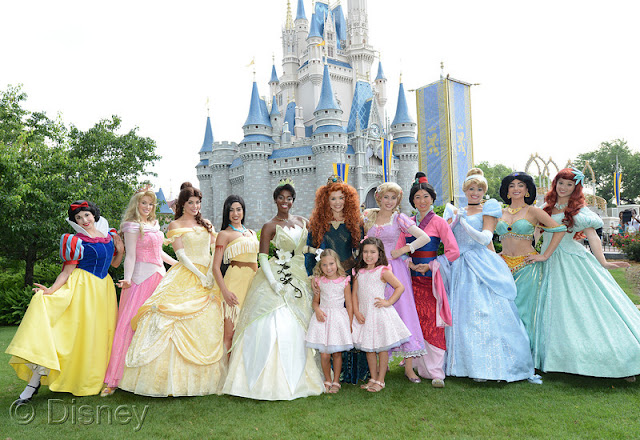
177, 347
70, 333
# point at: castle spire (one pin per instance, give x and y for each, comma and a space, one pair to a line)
256, 115
327, 99
380, 72
274, 107
207, 145
300, 12
402, 110
289, 23
274, 75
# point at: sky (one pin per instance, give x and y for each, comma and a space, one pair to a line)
555, 77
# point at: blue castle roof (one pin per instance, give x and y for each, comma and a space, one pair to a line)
236, 163
290, 115
360, 106
257, 115
274, 107
380, 72
207, 145
300, 12
341, 24
291, 152
327, 99
274, 75
315, 30
405, 140
402, 111
330, 61
162, 202
330, 129
257, 138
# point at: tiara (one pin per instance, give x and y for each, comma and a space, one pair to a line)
145, 188
334, 179
287, 181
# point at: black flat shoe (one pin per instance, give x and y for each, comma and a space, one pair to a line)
20, 402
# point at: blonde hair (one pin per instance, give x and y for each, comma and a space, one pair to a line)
370, 215
480, 180
131, 214
317, 270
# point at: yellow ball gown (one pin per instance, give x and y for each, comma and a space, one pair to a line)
177, 348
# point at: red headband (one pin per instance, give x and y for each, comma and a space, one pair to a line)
75, 206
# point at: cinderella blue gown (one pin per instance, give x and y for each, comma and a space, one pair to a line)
487, 340
586, 324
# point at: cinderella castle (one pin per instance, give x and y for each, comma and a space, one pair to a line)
321, 114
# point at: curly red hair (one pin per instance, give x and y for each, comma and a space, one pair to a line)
322, 216
576, 201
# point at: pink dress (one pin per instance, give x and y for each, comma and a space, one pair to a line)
382, 329
334, 334
145, 276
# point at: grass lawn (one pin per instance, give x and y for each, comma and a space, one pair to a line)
565, 406
623, 276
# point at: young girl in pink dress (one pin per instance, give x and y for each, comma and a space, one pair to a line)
329, 330
143, 270
377, 327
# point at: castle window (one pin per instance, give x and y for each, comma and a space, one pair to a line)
297, 159
309, 158
349, 156
286, 160
274, 162
256, 126
325, 112
258, 144
326, 135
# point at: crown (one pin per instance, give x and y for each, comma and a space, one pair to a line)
287, 181
145, 188
334, 179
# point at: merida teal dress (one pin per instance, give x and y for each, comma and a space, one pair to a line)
586, 324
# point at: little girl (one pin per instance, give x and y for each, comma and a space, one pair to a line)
329, 330
377, 327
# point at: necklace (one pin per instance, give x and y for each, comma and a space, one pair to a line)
282, 219
243, 231
512, 211
473, 204
559, 206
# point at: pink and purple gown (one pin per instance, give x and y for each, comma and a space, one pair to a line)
405, 306
145, 276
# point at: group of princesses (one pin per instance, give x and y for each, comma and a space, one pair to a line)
355, 287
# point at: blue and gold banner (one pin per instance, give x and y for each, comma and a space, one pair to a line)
617, 180
445, 146
341, 170
387, 158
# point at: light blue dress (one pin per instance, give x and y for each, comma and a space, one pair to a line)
487, 339
586, 324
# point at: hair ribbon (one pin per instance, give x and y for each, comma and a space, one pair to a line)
75, 206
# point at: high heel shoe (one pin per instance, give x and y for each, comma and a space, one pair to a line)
19, 402
413, 379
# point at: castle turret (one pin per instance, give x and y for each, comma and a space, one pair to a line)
291, 49
329, 142
274, 81
315, 57
203, 169
359, 50
276, 120
381, 87
254, 150
301, 26
405, 146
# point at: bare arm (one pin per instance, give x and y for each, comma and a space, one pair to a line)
596, 249
222, 241
320, 315
60, 280
398, 289
354, 299
119, 245
347, 301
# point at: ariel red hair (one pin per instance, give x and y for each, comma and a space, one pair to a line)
576, 201
322, 216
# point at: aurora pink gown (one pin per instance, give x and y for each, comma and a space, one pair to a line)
145, 277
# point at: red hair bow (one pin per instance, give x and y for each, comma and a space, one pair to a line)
75, 206
423, 180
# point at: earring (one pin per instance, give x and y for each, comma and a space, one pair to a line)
508, 196
527, 194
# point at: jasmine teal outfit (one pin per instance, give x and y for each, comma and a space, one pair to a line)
269, 359
527, 275
586, 324
431, 365
177, 348
338, 238
67, 336
487, 339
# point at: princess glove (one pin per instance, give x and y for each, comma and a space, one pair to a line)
182, 257
484, 237
266, 269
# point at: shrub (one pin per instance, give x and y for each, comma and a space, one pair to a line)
13, 304
629, 244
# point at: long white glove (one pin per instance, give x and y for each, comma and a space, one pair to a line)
450, 211
182, 257
266, 269
484, 237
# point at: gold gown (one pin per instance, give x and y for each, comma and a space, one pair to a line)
177, 348
238, 278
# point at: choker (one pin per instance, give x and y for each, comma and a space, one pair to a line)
560, 207
473, 204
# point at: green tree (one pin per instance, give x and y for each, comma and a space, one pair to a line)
603, 162
494, 175
44, 167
